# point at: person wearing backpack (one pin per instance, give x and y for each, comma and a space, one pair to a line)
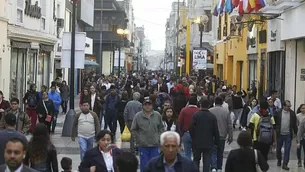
262, 127
31, 99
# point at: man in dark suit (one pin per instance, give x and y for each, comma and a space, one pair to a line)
14, 154
205, 135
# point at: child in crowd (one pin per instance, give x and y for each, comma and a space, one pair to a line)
66, 164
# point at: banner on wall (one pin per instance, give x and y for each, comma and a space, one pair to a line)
80, 42
200, 59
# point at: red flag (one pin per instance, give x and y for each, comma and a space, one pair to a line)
241, 8
235, 3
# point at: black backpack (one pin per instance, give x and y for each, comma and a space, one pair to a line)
32, 100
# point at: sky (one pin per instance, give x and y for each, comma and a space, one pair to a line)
153, 14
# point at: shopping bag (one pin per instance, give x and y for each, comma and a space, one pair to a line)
126, 135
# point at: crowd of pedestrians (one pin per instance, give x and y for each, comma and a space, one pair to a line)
175, 123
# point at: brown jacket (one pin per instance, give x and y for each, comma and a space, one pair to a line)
75, 124
23, 123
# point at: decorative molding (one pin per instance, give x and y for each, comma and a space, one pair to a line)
27, 34
4, 19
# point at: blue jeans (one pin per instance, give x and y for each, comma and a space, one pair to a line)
84, 145
54, 122
146, 154
187, 144
286, 141
217, 155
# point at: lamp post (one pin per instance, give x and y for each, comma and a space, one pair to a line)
201, 21
67, 128
122, 33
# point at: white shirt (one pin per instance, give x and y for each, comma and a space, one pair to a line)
86, 127
108, 160
107, 85
169, 86
18, 170
93, 100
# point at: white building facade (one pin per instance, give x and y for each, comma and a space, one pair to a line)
4, 50
31, 38
293, 33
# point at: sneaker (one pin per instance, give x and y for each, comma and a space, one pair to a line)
299, 163
214, 170
285, 167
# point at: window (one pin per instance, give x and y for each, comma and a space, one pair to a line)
105, 27
43, 23
114, 28
58, 11
19, 16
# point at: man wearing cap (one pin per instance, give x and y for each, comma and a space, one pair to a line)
8, 133
146, 128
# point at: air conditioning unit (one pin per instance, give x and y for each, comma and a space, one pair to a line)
60, 23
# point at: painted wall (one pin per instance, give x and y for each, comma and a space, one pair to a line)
292, 26
4, 51
290, 71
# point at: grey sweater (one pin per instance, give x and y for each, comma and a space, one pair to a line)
147, 130
224, 121
131, 109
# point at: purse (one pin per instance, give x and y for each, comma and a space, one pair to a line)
258, 168
48, 117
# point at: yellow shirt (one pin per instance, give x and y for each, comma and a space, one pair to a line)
255, 120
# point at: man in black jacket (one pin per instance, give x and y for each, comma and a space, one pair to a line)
170, 160
286, 128
205, 135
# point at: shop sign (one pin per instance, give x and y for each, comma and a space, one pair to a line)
32, 10
88, 46
273, 36
251, 42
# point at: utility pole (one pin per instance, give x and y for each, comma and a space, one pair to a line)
67, 128
99, 58
177, 39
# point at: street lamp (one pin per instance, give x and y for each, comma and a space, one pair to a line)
201, 21
122, 33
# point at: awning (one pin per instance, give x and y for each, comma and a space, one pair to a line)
90, 63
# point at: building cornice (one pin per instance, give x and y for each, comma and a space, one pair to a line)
31, 35
3, 19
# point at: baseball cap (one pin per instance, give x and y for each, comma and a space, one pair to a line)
10, 119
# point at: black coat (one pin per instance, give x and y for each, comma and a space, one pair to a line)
182, 165
204, 129
94, 157
278, 123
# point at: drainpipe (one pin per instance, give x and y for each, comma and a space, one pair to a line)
295, 76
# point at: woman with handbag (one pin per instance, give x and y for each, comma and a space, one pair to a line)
45, 110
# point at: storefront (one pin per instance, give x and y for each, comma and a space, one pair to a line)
276, 59
29, 65
293, 33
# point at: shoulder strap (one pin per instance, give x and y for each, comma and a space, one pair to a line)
256, 157
44, 105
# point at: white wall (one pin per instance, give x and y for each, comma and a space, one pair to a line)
4, 51
300, 85
290, 71
293, 23
30, 22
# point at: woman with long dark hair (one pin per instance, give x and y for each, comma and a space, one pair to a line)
121, 107
41, 154
170, 120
